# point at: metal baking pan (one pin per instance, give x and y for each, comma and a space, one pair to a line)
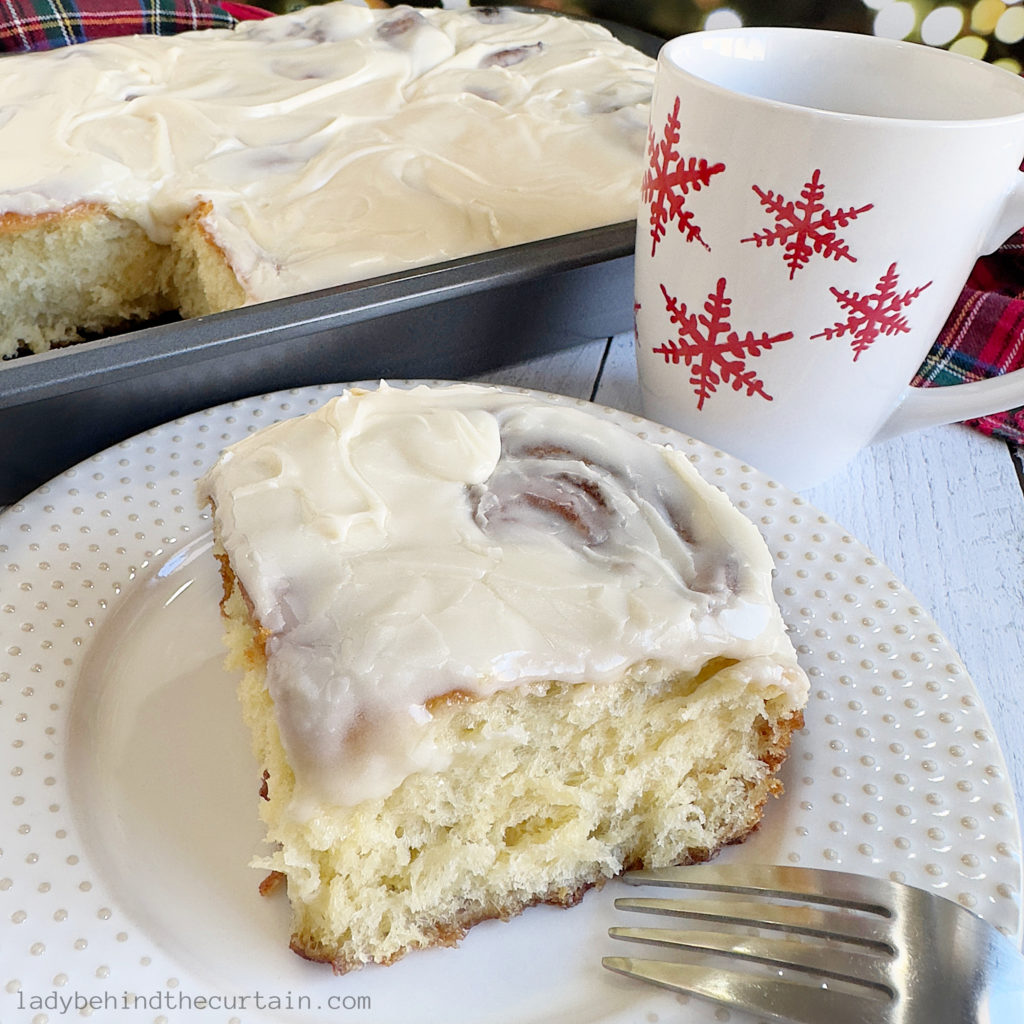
447, 320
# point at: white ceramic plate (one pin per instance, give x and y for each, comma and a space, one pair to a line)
129, 794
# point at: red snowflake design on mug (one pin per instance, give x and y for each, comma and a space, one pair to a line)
872, 315
713, 351
669, 178
805, 227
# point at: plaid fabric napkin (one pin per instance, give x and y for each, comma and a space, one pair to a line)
46, 24
984, 335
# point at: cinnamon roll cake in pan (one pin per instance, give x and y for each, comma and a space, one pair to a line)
192, 174
496, 650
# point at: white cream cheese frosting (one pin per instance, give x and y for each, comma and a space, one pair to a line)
400, 545
336, 143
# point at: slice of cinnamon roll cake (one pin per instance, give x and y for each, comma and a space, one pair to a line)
496, 650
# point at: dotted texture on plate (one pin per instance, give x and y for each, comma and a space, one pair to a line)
897, 772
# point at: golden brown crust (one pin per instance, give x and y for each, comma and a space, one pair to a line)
227, 579
203, 277
13, 223
449, 934
230, 585
443, 700
197, 220
272, 883
778, 739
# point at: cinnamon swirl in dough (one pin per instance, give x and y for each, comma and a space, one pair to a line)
196, 173
497, 649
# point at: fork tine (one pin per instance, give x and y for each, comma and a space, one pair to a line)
943, 962
831, 888
862, 931
824, 961
769, 997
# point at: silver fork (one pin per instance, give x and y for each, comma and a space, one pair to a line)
858, 950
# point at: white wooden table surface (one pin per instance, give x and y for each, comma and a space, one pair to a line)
943, 508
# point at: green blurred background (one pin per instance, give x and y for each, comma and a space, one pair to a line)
991, 30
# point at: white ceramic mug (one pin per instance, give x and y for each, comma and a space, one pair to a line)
813, 203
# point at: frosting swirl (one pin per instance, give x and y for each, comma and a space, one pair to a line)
403, 545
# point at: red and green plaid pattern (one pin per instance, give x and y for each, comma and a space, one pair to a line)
27, 25
984, 335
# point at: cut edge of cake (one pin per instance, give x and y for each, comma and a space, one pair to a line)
112, 275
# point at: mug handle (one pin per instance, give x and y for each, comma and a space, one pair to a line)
932, 407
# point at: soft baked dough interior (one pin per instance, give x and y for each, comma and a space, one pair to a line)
85, 271
551, 790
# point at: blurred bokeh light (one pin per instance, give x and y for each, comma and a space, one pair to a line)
991, 30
